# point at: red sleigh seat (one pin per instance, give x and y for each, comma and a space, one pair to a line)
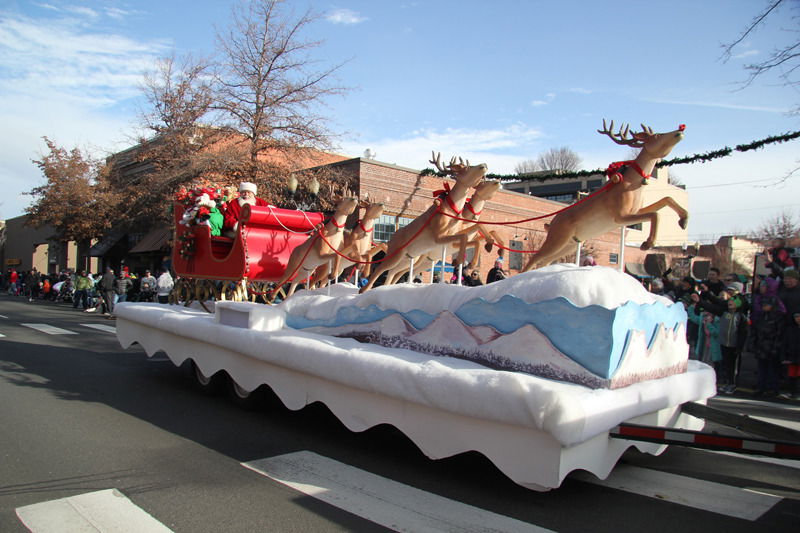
260, 251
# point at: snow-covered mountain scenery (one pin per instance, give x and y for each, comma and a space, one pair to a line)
587, 325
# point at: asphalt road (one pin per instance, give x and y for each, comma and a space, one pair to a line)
81, 415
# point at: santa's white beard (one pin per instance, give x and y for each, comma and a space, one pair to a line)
242, 201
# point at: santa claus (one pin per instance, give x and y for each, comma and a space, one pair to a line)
247, 195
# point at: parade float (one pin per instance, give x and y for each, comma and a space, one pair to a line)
534, 371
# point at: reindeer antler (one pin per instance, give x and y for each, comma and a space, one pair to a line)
436, 156
621, 137
458, 168
451, 169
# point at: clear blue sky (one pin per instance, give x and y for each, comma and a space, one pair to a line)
497, 82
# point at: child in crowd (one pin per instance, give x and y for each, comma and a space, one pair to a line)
767, 288
707, 348
766, 342
732, 337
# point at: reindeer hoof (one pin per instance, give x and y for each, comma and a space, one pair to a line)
646, 245
683, 222
488, 246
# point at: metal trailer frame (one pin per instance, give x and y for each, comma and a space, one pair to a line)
771, 440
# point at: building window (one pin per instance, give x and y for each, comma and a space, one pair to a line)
563, 198
387, 225
613, 259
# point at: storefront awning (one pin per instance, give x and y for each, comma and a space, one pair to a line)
153, 241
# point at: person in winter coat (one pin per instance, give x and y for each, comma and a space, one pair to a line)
122, 285
779, 258
82, 287
791, 357
767, 288
707, 347
732, 338
164, 285
789, 294
107, 286
766, 342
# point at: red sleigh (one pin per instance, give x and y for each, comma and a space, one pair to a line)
259, 252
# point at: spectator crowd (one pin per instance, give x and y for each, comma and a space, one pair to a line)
726, 323
89, 292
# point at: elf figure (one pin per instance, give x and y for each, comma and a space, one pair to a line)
208, 214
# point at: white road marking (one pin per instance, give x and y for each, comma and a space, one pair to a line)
705, 495
105, 510
391, 504
754, 402
3, 316
50, 330
788, 463
1, 335
102, 327
791, 424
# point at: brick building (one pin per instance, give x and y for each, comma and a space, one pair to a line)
408, 194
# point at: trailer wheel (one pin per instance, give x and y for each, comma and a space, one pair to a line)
243, 398
206, 385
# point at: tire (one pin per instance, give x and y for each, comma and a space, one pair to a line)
207, 385
242, 398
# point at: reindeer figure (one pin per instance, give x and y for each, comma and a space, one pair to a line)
357, 243
428, 230
620, 205
464, 236
316, 251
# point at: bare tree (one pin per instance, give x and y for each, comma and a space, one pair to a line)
178, 95
562, 158
783, 225
785, 59
268, 88
526, 166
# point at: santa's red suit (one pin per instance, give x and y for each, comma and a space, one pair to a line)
234, 210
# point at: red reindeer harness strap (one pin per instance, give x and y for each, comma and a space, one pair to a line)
365, 230
613, 171
446, 194
468, 205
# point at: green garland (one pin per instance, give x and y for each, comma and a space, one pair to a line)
701, 158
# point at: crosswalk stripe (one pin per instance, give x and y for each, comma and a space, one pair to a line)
391, 504
101, 327
50, 330
104, 510
791, 424
751, 402
706, 495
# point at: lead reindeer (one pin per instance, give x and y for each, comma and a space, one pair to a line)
316, 250
619, 205
357, 243
431, 228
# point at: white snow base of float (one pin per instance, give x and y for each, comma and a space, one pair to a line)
529, 456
